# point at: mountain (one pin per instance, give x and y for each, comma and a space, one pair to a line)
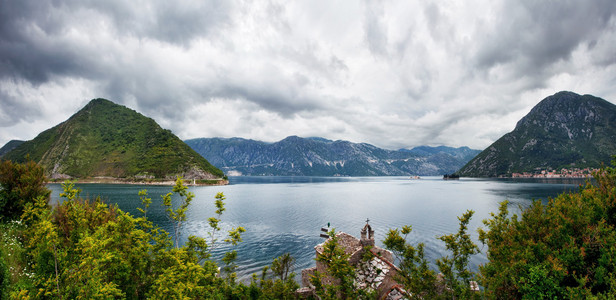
9, 146
104, 139
314, 156
563, 130
462, 153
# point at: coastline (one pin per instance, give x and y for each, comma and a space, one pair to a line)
99, 180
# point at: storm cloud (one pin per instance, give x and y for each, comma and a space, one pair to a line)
391, 73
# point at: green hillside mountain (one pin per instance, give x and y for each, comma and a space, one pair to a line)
563, 130
104, 139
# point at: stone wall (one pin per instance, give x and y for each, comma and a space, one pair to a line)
306, 274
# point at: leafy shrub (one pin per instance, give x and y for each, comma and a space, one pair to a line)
19, 185
563, 249
5, 277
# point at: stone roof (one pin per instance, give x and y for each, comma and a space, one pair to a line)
350, 243
396, 293
371, 273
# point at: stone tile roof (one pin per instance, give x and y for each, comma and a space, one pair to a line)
350, 243
371, 273
396, 293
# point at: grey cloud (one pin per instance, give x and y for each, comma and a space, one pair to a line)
36, 41
536, 34
157, 95
37, 62
283, 99
338, 64
14, 109
433, 15
22, 55
374, 28
603, 47
315, 65
168, 21
163, 97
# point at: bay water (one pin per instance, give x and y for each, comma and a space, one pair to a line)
285, 214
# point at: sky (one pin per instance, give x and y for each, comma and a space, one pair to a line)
395, 74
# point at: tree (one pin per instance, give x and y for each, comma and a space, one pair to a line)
415, 274
88, 249
176, 216
282, 265
455, 270
20, 184
281, 286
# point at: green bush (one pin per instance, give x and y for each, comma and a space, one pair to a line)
564, 249
20, 184
5, 277
87, 249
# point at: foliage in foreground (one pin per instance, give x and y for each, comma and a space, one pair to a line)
85, 249
565, 249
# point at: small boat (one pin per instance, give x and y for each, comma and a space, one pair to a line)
415, 177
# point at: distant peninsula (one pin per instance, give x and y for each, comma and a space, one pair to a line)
107, 142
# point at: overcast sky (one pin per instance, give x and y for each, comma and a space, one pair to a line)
396, 74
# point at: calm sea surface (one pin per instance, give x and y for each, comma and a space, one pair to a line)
284, 214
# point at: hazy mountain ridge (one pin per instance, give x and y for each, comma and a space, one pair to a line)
296, 156
105, 139
563, 130
462, 153
12, 144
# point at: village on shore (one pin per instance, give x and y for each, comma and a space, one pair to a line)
563, 173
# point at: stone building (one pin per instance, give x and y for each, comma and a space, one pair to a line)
378, 273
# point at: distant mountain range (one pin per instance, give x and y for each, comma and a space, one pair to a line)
296, 156
563, 130
10, 146
105, 139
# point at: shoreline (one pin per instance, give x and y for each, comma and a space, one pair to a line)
187, 182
